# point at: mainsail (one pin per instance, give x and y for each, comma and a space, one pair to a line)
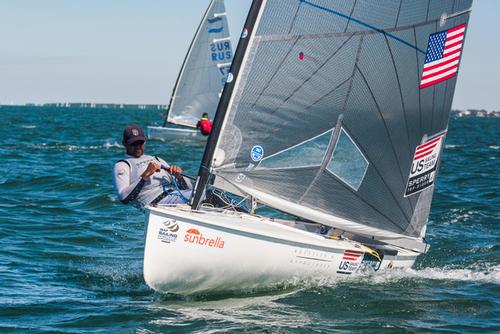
204, 71
338, 110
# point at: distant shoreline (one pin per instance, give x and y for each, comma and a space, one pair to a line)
475, 113
90, 105
454, 112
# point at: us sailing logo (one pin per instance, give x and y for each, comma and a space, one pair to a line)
171, 225
168, 233
424, 165
194, 236
350, 262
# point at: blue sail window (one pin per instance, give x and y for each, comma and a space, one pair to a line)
306, 154
347, 162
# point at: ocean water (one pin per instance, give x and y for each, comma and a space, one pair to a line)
71, 254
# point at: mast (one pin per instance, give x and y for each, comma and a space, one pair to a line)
206, 163
174, 90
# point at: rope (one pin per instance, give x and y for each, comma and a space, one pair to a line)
174, 182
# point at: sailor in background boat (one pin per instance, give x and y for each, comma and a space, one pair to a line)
143, 180
204, 124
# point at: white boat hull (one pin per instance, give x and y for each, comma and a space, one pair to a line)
170, 133
188, 252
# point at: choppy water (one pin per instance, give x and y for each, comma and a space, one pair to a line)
71, 255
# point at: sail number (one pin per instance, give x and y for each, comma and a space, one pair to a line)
221, 51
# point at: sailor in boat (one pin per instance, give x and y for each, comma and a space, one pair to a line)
142, 180
204, 124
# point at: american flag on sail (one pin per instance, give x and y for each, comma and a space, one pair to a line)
443, 55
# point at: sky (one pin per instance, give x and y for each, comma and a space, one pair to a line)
130, 51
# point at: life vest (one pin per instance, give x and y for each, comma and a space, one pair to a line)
157, 184
205, 126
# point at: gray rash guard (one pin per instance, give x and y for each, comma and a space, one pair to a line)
131, 188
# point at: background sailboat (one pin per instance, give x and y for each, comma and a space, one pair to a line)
337, 114
201, 78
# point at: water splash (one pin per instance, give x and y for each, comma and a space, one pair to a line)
483, 275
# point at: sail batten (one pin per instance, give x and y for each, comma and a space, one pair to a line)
313, 66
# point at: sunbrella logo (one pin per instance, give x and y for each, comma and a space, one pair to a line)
193, 236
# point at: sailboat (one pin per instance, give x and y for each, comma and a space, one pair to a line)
201, 79
336, 113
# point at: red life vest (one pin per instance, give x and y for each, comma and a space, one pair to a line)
205, 126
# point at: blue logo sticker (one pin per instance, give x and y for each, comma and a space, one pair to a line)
257, 153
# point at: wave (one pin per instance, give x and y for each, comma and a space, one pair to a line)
113, 144
28, 126
106, 145
483, 275
453, 146
489, 274
238, 313
275, 307
390, 278
70, 147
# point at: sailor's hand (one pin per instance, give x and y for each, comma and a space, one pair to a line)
152, 168
175, 171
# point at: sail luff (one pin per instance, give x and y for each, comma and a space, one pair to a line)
184, 61
204, 171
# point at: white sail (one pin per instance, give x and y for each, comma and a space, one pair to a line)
204, 71
338, 111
